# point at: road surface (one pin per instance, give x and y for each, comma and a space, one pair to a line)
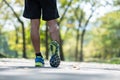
22, 69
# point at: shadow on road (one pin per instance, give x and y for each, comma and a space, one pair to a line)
56, 76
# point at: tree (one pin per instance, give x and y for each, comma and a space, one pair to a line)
105, 41
22, 25
116, 2
59, 22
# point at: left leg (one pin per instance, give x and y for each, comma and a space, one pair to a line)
54, 46
50, 13
53, 30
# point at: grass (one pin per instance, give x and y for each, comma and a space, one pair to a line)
114, 61
110, 61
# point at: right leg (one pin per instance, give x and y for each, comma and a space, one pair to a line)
35, 37
33, 11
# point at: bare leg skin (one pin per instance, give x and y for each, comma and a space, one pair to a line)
54, 30
54, 46
35, 36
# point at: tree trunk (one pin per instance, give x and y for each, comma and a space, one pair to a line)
23, 29
77, 43
24, 42
62, 17
81, 46
82, 37
79, 18
46, 43
61, 48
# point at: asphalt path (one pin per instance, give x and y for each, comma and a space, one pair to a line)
22, 69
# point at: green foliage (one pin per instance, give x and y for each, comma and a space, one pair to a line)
105, 41
117, 2
110, 61
114, 61
63, 3
101, 42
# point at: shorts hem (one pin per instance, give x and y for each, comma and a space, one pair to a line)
28, 17
48, 19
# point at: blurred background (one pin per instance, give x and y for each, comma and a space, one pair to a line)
89, 31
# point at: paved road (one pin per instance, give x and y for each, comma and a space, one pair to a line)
22, 69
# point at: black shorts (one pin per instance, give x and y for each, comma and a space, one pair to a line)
35, 8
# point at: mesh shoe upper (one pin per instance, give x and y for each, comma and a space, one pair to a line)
39, 61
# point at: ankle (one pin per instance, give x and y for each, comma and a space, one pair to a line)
39, 54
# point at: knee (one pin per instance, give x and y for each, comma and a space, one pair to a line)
53, 29
35, 23
53, 26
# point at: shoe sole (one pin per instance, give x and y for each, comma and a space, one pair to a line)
38, 64
55, 60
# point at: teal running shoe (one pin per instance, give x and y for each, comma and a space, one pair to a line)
54, 50
39, 61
